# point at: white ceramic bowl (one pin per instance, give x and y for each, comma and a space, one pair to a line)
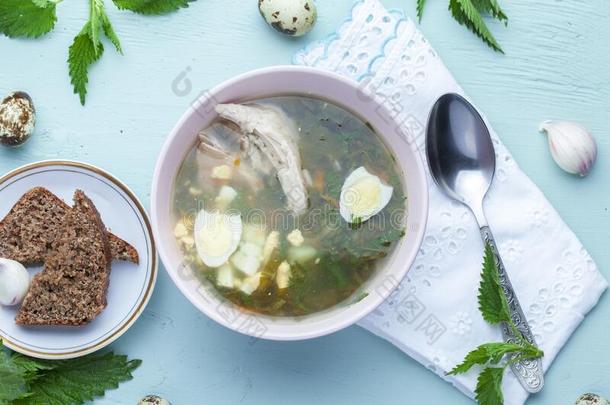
283, 80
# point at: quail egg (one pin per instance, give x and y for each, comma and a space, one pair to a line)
363, 195
216, 236
17, 119
153, 400
14, 282
591, 399
290, 17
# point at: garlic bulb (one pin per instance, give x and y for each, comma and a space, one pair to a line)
572, 146
14, 282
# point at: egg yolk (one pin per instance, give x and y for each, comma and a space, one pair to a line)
215, 237
363, 197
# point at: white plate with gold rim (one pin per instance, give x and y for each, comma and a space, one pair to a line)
131, 285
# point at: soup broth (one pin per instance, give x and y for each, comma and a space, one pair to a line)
286, 205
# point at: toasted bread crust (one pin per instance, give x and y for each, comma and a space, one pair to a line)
122, 250
28, 231
71, 289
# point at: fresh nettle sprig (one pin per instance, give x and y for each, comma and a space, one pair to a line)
495, 310
24, 380
471, 13
35, 18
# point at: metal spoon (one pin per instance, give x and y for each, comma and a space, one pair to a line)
462, 160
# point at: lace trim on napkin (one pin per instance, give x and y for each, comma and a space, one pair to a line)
349, 43
386, 52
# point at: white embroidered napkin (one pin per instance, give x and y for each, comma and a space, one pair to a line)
433, 315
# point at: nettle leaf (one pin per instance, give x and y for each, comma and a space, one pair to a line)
29, 381
27, 18
95, 22
420, 8
489, 386
87, 47
110, 34
491, 7
494, 308
29, 366
81, 55
467, 14
531, 352
79, 380
130, 4
492, 302
488, 353
12, 380
152, 7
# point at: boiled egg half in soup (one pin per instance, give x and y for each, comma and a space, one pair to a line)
363, 195
217, 237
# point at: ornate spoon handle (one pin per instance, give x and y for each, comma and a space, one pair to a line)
529, 372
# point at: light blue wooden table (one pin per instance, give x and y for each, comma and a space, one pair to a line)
556, 67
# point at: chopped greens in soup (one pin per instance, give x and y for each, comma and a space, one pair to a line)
287, 204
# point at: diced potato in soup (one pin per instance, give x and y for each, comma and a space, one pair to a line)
295, 238
302, 254
272, 243
283, 275
226, 195
225, 276
286, 205
250, 284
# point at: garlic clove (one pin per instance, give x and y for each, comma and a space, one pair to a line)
14, 282
572, 147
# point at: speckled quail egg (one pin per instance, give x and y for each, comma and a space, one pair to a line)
290, 17
14, 282
17, 119
153, 400
591, 399
363, 195
217, 236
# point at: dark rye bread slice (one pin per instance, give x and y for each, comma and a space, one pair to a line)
29, 229
71, 289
